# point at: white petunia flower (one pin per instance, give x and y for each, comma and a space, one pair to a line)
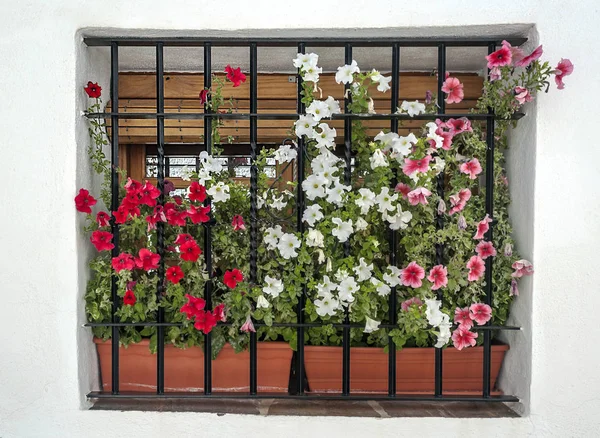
403, 146
378, 159
315, 239
365, 200
326, 137
371, 325
335, 195
314, 187
326, 160
383, 290
325, 287
311, 73
312, 214
438, 140
219, 192
273, 286
285, 153
399, 220
343, 229
321, 258
327, 305
318, 109
186, 173
210, 163
304, 60
384, 83
304, 125
334, 105
261, 199
386, 139
444, 335
272, 236
204, 176
278, 203
433, 313
363, 271
344, 74
393, 277
346, 289
262, 303
413, 108
385, 200
361, 224
287, 246
341, 274
438, 165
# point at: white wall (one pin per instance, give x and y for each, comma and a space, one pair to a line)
42, 372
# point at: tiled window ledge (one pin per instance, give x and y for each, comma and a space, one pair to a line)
370, 408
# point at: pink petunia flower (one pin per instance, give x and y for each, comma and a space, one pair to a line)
460, 125
402, 188
514, 288
463, 338
485, 249
516, 52
523, 95
463, 317
471, 168
499, 58
564, 68
454, 90
495, 74
483, 227
447, 137
522, 268
412, 275
248, 326
238, 223
418, 196
476, 267
530, 58
438, 276
411, 166
480, 313
459, 200
411, 301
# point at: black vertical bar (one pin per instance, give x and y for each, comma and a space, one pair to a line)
393, 235
114, 205
300, 204
207, 229
160, 226
347, 181
253, 201
489, 209
439, 248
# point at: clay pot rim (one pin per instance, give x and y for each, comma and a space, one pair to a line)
145, 342
407, 350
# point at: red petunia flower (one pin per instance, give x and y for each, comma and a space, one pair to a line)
196, 192
129, 299
190, 251
499, 58
182, 238
147, 260
102, 240
193, 306
235, 75
174, 274
121, 215
199, 215
103, 219
83, 201
238, 223
232, 278
205, 321
203, 96
148, 194
123, 261
158, 215
131, 200
175, 217
132, 185
93, 90
219, 312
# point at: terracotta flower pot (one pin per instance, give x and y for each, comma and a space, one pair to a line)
462, 370
184, 369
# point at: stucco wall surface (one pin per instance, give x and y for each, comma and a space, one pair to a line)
46, 361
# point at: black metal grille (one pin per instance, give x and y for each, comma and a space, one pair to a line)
253, 116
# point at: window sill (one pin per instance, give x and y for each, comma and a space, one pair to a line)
327, 408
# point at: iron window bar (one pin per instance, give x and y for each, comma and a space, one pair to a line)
253, 116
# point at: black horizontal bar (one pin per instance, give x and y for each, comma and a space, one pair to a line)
289, 116
293, 42
306, 396
275, 324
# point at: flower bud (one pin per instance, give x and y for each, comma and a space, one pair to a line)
462, 223
441, 209
508, 250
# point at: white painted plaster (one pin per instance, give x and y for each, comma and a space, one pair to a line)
47, 361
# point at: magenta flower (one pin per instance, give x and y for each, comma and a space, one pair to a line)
476, 267
402, 188
459, 200
463, 317
438, 276
564, 68
418, 196
485, 249
522, 268
248, 326
523, 95
524, 62
454, 90
428, 97
412, 275
480, 313
471, 168
499, 58
460, 125
238, 223
463, 338
411, 301
483, 227
411, 166
514, 288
